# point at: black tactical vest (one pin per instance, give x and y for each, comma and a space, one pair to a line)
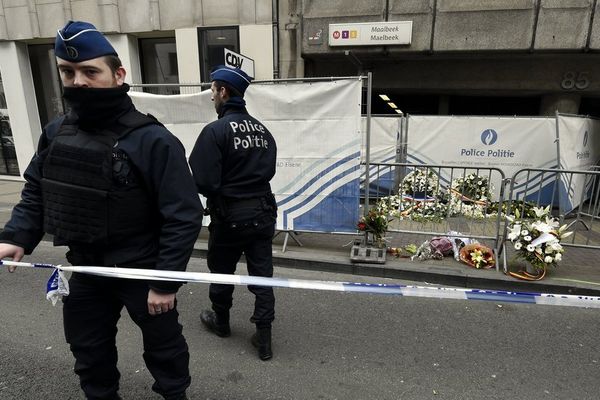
91, 192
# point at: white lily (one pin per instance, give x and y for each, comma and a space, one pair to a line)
556, 246
541, 211
514, 233
552, 222
541, 226
566, 234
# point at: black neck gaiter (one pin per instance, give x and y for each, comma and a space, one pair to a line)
98, 108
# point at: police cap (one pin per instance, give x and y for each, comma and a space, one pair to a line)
80, 41
233, 76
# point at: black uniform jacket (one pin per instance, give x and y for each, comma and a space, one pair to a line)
234, 157
159, 157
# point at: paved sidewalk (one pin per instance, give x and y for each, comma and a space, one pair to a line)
579, 273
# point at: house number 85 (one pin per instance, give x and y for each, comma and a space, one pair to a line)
575, 80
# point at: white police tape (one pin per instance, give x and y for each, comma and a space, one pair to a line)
388, 289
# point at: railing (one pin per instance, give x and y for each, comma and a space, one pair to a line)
440, 200
573, 197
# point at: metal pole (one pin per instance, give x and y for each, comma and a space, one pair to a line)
368, 143
559, 167
316, 79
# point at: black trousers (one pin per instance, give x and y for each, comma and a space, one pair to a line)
226, 244
91, 312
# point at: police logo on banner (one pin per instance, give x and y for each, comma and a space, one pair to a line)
489, 137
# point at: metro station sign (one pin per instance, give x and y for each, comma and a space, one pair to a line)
370, 33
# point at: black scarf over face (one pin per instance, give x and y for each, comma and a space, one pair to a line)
98, 108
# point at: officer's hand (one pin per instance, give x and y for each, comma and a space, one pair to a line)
159, 303
8, 250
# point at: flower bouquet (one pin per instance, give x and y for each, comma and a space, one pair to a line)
477, 256
472, 188
401, 207
537, 241
406, 251
420, 183
376, 223
470, 196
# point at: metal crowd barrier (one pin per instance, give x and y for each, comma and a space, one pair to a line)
573, 197
446, 205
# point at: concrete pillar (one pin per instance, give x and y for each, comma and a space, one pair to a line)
256, 42
127, 49
567, 103
188, 59
291, 63
20, 99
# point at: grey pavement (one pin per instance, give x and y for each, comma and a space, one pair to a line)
579, 273
327, 346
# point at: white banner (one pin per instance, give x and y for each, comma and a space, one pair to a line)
506, 143
317, 129
384, 139
579, 150
385, 132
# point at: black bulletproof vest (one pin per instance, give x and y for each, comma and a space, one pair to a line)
91, 193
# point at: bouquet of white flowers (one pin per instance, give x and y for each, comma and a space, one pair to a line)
472, 188
420, 183
470, 196
537, 241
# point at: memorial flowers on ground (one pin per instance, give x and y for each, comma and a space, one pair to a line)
423, 197
470, 195
376, 223
477, 256
472, 188
420, 183
537, 241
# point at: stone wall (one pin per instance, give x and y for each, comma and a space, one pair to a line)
32, 19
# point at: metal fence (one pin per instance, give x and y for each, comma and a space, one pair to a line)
439, 200
572, 196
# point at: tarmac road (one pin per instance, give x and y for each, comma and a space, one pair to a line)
328, 345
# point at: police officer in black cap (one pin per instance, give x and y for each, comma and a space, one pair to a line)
114, 186
232, 163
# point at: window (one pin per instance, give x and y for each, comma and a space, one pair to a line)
212, 42
159, 64
8, 155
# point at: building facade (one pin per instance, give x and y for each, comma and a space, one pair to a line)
460, 57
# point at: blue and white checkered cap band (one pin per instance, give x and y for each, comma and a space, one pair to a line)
397, 290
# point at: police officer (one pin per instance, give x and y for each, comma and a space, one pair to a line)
114, 186
233, 161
